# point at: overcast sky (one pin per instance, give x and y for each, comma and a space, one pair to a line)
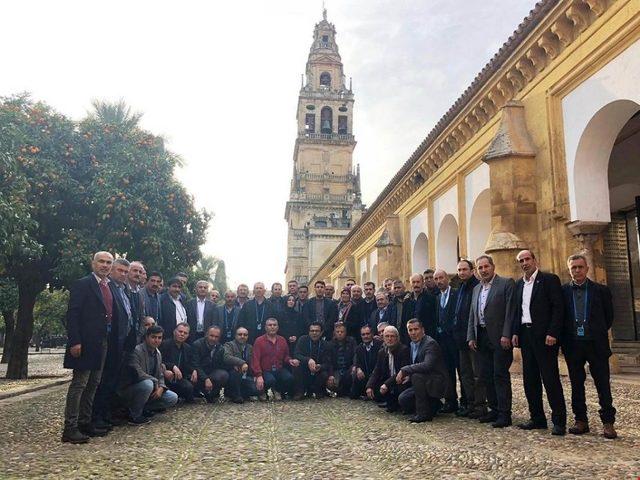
220, 81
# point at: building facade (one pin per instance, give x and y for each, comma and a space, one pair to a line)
542, 151
325, 200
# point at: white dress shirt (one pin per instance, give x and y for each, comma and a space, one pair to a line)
484, 294
527, 289
181, 313
200, 315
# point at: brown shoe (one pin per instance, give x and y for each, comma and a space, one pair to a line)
579, 428
609, 432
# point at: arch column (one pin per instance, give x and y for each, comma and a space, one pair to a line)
589, 236
389, 246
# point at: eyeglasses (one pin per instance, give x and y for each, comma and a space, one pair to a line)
242, 334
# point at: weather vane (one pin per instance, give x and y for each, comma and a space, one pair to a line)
324, 10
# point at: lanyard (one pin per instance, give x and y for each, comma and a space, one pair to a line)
586, 306
259, 316
226, 321
244, 353
445, 298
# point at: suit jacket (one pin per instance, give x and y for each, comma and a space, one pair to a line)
426, 311
148, 300
322, 353
348, 347
210, 317
498, 311
408, 306
206, 359
463, 304
120, 330
86, 324
366, 361
330, 314
389, 316
357, 318
446, 317
232, 354
228, 329
381, 373
168, 313
139, 367
546, 306
429, 361
599, 321
181, 357
248, 318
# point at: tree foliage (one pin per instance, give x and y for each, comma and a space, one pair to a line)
211, 269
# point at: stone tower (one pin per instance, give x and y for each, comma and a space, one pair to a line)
325, 200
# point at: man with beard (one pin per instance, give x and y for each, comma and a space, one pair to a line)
180, 375
316, 365
255, 313
320, 309
228, 316
404, 308
365, 358
242, 293
425, 305
151, 296
208, 362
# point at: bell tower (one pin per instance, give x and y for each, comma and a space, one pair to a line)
325, 199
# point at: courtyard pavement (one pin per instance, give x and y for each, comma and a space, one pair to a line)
326, 439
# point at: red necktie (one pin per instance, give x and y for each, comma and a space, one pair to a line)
107, 298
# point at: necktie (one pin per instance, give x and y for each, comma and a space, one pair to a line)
107, 299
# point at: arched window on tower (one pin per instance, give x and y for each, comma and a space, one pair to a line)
325, 79
326, 120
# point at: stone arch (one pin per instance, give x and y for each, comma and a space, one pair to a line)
326, 120
363, 277
447, 244
325, 79
374, 275
479, 224
420, 253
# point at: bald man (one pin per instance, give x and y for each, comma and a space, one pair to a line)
255, 312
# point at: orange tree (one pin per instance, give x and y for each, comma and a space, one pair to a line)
101, 184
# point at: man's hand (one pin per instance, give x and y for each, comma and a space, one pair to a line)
514, 341
168, 374
331, 381
294, 362
194, 377
260, 383
384, 389
473, 345
208, 385
369, 393
505, 342
550, 341
76, 351
244, 368
157, 393
312, 365
292, 339
177, 372
399, 377
360, 374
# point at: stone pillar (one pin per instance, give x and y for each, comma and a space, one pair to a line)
511, 160
389, 245
347, 272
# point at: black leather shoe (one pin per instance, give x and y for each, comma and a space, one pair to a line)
92, 431
531, 425
74, 436
392, 408
238, 400
559, 430
103, 425
420, 419
476, 414
463, 412
501, 422
449, 408
488, 417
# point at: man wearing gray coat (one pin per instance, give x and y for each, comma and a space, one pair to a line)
489, 332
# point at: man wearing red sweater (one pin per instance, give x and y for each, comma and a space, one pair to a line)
268, 361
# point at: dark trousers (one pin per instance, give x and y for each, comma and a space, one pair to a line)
344, 380
358, 387
106, 392
183, 388
392, 396
494, 373
311, 383
540, 366
280, 380
239, 387
416, 397
451, 360
219, 378
474, 390
579, 353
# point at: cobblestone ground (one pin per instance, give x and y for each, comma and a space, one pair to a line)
332, 438
44, 368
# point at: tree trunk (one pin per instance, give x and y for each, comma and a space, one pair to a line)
10, 323
19, 361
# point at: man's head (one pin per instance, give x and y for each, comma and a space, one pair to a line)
356, 292
369, 290
380, 328
182, 277
415, 330
102, 263
271, 326
366, 334
465, 269
202, 289
229, 298
315, 331
486, 267
429, 282
382, 300
442, 279
215, 296
258, 290
213, 335
292, 286
276, 290
390, 336
339, 331
135, 273
291, 301
143, 277
329, 291
319, 287
153, 336
350, 283
387, 283
242, 291
120, 270
303, 292
174, 287
345, 295
528, 262
578, 268
181, 332
398, 288
417, 283
148, 322
242, 335
154, 282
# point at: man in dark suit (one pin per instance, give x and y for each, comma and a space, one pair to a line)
425, 308
342, 349
278, 301
134, 276
588, 318
365, 358
201, 312
208, 361
180, 375
489, 332
385, 313
356, 318
447, 299
316, 363
172, 308
427, 374
228, 317
255, 312
537, 325
320, 309
369, 290
474, 395
151, 296
89, 317
404, 309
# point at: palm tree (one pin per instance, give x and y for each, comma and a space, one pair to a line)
115, 113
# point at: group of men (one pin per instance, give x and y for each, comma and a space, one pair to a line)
137, 346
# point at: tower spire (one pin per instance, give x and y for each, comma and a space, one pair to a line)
324, 10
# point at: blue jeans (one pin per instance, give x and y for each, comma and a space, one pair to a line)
138, 396
280, 380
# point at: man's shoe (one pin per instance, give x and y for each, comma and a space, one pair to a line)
559, 430
148, 413
477, 414
238, 400
74, 436
463, 412
581, 427
263, 397
531, 425
488, 417
277, 396
103, 425
609, 432
298, 397
449, 408
392, 408
91, 431
141, 420
502, 422
420, 419
382, 404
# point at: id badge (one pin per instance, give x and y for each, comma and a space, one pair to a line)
439, 330
580, 331
259, 326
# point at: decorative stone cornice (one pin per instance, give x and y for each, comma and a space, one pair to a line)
507, 73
